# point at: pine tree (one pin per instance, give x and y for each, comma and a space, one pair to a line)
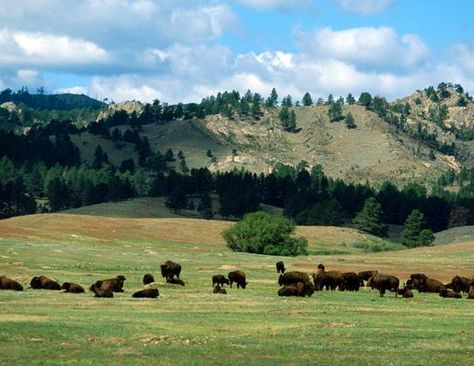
413, 234
349, 120
272, 100
369, 219
307, 100
205, 206
350, 99
335, 112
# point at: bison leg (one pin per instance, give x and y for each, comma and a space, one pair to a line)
382, 292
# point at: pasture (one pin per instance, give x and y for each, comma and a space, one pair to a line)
191, 326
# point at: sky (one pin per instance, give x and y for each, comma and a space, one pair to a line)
185, 50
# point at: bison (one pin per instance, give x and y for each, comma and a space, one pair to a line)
383, 283
238, 277
221, 280
459, 284
73, 288
9, 284
330, 280
170, 269
470, 294
44, 283
219, 290
449, 293
175, 281
405, 292
293, 277
350, 282
115, 284
365, 275
151, 293
102, 289
300, 289
148, 278
280, 267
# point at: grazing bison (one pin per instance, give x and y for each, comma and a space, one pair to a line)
280, 267
459, 284
238, 277
102, 289
449, 293
175, 281
350, 282
9, 284
148, 278
151, 293
365, 275
300, 289
293, 277
219, 290
72, 288
383, 283
170, 269
44, 283
221, 280
405, 292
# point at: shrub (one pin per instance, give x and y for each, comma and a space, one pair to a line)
262, 233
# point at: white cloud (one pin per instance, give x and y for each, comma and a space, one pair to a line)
292, 5
464, 56
365, 46
365, 7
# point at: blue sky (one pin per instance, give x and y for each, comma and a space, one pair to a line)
187, 49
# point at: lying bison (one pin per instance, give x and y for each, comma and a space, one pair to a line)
9, 284
115, 284
175, 281
238, 277
293, 277
383, 283
449, 293
280, 267
470, 294
148, 278
151, 293
219, 290
170, 269
299, 289
102, 289
44, 283
73, 288
405, 292
220, 280
459, 284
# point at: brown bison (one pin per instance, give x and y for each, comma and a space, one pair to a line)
280, 267
459, 284
221, 280
148, 278
405, 292
44, 283
470, 294
170, 269
115, 284
350, 282
151, 293
416, 279
73, 288
431, 285
9, 284
445, 292
293, 277
365, 275
331, 279
299, 289
383, 283
238, 277
219, 290
175, 281
102, 289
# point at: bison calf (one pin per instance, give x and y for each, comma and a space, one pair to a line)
175, 281
220, 280
151, 293
9, 284
449, 293
405, 292
73, 288
219, 290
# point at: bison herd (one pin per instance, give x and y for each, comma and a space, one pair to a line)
293, 283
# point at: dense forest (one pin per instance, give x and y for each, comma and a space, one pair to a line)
41, 170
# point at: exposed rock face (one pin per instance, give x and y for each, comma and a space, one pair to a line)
10, 107
129, 107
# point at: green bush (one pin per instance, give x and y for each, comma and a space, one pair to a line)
262, 233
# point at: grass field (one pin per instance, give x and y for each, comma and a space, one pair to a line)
191, 326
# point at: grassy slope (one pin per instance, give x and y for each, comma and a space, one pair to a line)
190, 325
455, 235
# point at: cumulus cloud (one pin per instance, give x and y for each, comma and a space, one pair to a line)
286, 5
365, 7
365, 46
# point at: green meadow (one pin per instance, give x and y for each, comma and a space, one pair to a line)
191, 326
